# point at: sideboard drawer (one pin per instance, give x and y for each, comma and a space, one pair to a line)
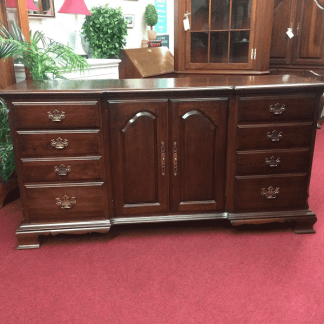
67, 114
58, 144
54, 170
65, 202
271, 162
271, 193
277, 108
277, 136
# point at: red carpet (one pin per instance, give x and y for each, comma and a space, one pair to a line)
168, 273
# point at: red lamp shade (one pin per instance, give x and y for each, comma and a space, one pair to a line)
13, 4
75, 7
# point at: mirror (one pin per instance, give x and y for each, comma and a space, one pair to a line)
46, 9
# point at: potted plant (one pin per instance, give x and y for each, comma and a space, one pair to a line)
7, 162
151, 19
45, 59
105, 31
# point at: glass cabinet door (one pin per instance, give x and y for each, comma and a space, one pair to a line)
220, 34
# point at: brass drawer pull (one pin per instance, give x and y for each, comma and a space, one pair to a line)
175, 159
59, 143
273, 161
163, 158
56, 116
270, 193
274, 136
62, 170
277, 109
65, 202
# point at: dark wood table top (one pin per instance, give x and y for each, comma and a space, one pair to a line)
218, 82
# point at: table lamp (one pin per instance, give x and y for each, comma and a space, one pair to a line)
77, 7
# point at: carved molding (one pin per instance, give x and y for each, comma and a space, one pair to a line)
200, 114
138, 115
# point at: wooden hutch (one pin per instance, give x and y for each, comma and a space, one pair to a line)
225, 37
297, 37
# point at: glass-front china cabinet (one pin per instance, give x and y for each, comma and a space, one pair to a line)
226, 35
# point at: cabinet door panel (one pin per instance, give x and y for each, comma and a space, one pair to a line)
310, 34
198, 154
139, 145
283, 18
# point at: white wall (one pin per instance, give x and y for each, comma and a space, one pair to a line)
62, 27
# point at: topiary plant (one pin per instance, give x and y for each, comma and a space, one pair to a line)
150, 15
105, 30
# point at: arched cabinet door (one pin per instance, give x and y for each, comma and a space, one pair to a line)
198, 154
138, 132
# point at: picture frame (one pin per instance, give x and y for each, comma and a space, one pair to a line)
46, 9
130, 20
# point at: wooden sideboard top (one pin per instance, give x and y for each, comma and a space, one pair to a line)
203, 147
219, 82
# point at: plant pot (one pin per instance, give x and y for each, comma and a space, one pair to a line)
151, 34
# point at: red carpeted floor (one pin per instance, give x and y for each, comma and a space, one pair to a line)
168, 273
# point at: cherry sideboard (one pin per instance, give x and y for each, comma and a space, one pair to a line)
95, 153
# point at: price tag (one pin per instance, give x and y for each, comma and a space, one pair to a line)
186, 23
290, 33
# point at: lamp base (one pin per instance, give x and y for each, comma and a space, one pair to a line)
78, 48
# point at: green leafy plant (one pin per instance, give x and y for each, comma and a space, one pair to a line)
7, 162
150, 15
106, 31
45, 58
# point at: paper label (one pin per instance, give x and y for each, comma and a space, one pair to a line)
290, 33
186, 24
